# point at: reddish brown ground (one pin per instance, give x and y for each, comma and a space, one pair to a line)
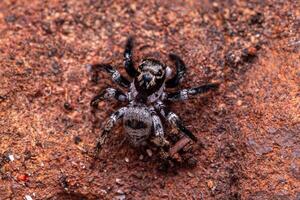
249, 128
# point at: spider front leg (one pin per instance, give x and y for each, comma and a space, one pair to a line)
187, 93
128, 62
109, 93
116, 76
109, 124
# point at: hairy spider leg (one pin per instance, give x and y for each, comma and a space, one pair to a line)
108, 94
157, 126
187, 93
174, 120
180, 71
159, 138
116, 76
109, 124
128, 62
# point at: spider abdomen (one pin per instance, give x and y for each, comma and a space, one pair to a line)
138, 124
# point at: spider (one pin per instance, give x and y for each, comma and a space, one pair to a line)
145, 97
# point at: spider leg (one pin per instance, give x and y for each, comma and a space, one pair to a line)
109, 124
174, 120
159, 139
187, 93
180, 71
116, 76
108, 93
128, 62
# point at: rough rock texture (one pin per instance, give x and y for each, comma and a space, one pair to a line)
249, 128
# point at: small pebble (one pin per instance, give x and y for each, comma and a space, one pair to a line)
149, 152
56, 69
252, 51
222, 106
190, 174
27, 197
103, 191
88, 68
22, 177
210, 184
11, 157
141, 157
91, 179
2, 98
77, 139
138, 175
239, 102
119, 191
119, 181
215, 4
272, 130
120, 197
126, 159
10, 19
68, 106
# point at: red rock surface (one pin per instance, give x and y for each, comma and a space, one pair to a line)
249, 128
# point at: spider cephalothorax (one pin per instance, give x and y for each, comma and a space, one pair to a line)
145, 97
150, 77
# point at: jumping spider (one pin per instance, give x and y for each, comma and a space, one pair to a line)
141, 117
